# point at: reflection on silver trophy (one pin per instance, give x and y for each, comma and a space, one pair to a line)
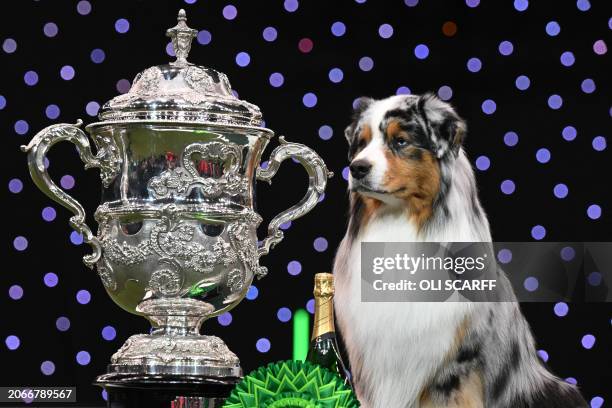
179, 156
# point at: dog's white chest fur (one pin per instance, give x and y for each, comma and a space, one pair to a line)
399, 345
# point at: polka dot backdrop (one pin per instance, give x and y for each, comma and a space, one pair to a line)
531, 79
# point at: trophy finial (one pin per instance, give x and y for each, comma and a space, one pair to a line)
181, 36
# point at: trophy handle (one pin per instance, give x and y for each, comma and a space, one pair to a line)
317, 180
37, 150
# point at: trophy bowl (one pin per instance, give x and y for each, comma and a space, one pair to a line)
179, 156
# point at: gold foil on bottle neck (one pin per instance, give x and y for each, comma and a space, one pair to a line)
324, 305
324, 285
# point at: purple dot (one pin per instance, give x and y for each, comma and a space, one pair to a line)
243, 59
104, 393
15, 186
276, 79
568, 253
385, 30
47, 367
230, 12
560, 190
52, 111
294, 268
83, 357
472, 3
170, 49
571, 380
270, 34
402, 90
67, 182
543, 155
291, 5
411, 3
594, 211
521, 5
599, 143
2, 102
483, 163
9, 45
597, 402
507, 187
83, 296
97, 56
123, 86
320, 244
511, 139
561, 309
568, 59
522, 82
583, 5
600, 47
83, 7
122, 26
504, 256
20, 243
310, 305
50, 279
531, 284
505, 48
263, 344
30, 78
50, 29
225, 319
21, 127
421, 51
325, 132
12, 342
92, 108
62, 323
588, 341
569, 133
366, 64
252, 292
543, 355
594, 278
285, 225
489, 106
445, 92
15, 292
538, 232
204, 37
76, 238
284, 314
338, 29
336, 75
109, 333
345, 173
553, 28
309, 99
474, 64
67, 72
588, 86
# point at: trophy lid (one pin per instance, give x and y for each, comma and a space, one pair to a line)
181, 91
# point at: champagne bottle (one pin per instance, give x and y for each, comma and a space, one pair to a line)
324, 349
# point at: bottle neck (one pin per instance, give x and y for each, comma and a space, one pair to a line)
323, 317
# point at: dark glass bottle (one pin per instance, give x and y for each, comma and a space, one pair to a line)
323, 345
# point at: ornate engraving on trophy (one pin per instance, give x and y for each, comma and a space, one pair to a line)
220, 159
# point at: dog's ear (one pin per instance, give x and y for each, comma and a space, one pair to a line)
359, 106
448, 129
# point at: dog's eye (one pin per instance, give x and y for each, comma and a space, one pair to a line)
401, 142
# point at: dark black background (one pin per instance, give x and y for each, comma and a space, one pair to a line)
480, 30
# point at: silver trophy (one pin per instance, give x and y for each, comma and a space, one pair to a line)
179, 156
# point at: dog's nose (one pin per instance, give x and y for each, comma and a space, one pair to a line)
360, 168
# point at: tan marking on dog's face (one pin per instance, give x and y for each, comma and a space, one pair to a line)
394, 131
365, 136
370, 205
413, 175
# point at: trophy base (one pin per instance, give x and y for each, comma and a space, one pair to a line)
165, 391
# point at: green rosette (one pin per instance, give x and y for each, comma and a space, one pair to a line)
292, 384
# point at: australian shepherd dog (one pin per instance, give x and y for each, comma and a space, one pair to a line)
410, 181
